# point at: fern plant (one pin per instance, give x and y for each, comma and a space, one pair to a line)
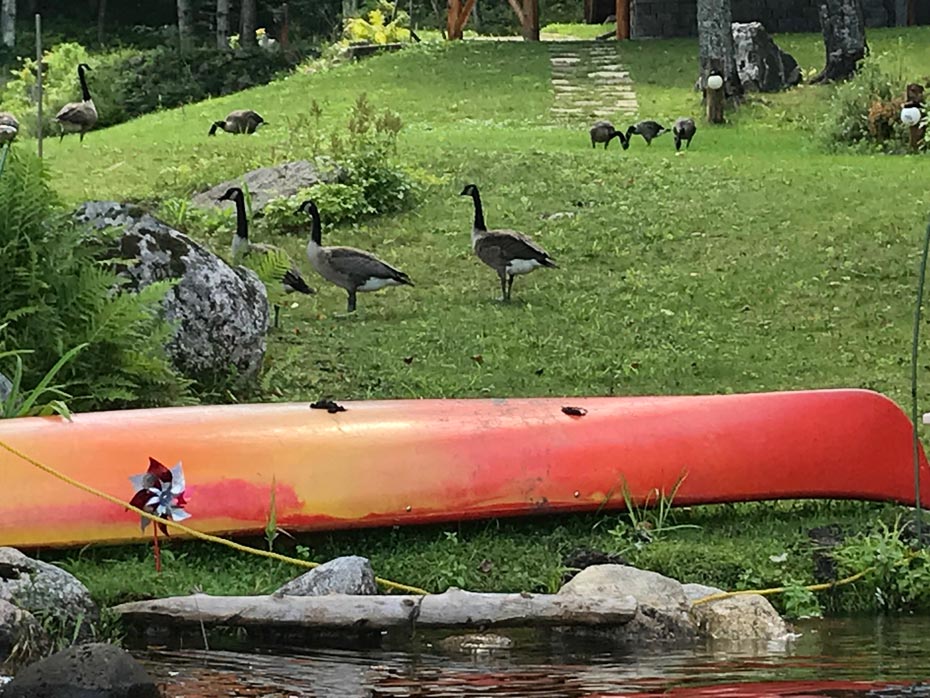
54, 294
376, 29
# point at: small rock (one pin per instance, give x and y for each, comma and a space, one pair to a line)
475, 643
343, 575
761, 64
267, 183
95, 670
46, 591
743, 617
22, 638
663, 610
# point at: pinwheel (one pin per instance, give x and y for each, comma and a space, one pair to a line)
160, 491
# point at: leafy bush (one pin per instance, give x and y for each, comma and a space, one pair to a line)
54, 295
374, 27
864, 111
370, 181
126, 84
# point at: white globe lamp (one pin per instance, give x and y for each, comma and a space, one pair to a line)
714, 82
910, 116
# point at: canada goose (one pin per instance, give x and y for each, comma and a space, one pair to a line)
239, 121
78, 117
507, 252
346, 267
9, 127
683, 130
604, 132
647, 129
271, 264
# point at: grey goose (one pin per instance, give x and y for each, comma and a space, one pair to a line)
604, 132
78, 117
647, 129
238, 121
683, 129
507, 252
348, 268
271, 264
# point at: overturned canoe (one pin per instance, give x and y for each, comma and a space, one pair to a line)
418, 461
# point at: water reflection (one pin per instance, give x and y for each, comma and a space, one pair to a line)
885, 658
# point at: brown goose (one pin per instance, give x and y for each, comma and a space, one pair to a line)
683, 130
647, 129
507, 252
9, 127
346, 267
78, 117
604, 132
238, 121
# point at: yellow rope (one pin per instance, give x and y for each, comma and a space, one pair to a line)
190, 531
777, 590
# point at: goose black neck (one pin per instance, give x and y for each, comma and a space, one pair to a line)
316, 229
83, 79
242, 224
479, 211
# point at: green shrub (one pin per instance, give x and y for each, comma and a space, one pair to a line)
54, 295
864, 111
126, 84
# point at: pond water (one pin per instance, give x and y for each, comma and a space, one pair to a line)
873, 658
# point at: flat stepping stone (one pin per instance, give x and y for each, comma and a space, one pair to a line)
590, 81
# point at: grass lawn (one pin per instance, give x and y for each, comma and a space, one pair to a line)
756, 261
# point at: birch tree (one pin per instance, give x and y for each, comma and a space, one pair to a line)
185, 25
8, 23
843, 26
222, 24
715, 40
247, 24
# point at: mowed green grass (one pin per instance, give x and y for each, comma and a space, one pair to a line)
756, 261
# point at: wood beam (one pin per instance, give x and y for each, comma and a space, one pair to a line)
623, 20
518, 11
457, 18
452, 18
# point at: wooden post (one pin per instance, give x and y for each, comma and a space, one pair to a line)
715, 99
914, 96
39, 83
623, 20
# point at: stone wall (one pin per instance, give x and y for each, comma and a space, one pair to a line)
668, 18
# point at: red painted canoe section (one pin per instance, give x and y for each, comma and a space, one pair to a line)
416, 461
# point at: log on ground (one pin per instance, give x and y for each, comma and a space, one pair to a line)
452, 609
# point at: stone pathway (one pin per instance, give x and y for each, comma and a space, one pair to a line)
590, 82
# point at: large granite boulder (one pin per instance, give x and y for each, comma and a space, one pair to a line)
761, 64
220, 312
342, 575
46, 591
662, 608
94, 670
268, 183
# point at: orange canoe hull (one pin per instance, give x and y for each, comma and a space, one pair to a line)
418, 461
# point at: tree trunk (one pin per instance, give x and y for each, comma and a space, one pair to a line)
8, 23
247, 24
843, 27
451, 609
715, 38
222, 24
185, 25
101, 20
